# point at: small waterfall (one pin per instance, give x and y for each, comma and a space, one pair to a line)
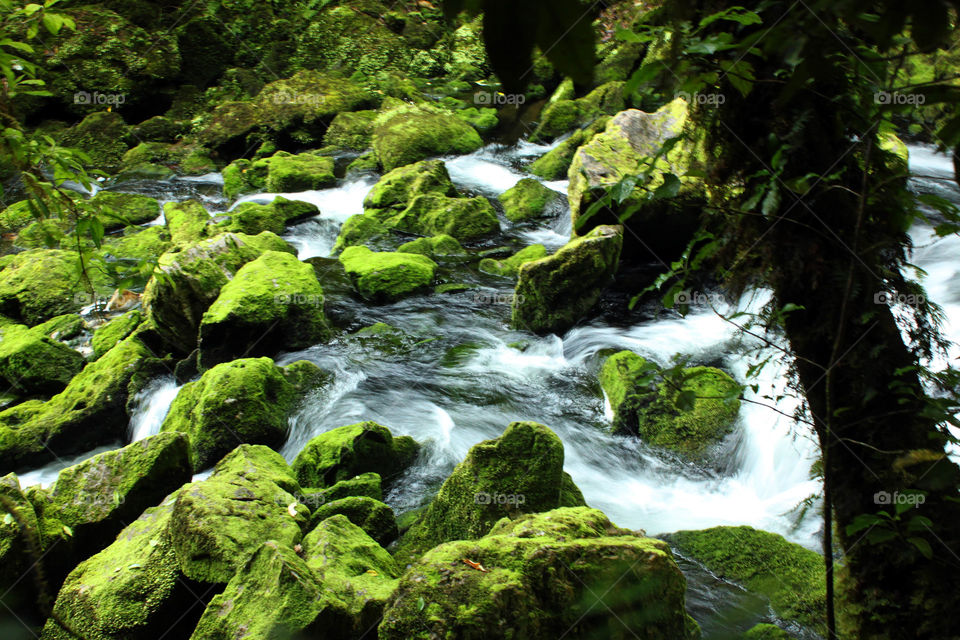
151, 406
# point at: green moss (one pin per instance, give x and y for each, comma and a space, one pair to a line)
483, 119
345, 452
766, 632
363, 485
97, 497
387, 275
109, 334
65, 327
554, 292
554, 164
186, 221
789, 575
409, 134
441, 245
16, 217
41, 284
253, 218
244, 401
510, 266
42, 234
302, 172
100, 135
272, 303
89, 412
371, 515
565, 114
395, 189
174, 304
136, 248
432, 214
366, 162
541, 576
161, 158
527, 199
30, 362
15, 559
652, 412
359, 229
218, 523
519, 472
350, 131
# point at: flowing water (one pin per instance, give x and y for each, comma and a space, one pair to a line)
462, 375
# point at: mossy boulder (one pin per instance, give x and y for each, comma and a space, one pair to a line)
187, 222
15, 557
130, 254
360, 229
280, 173
101, 136
508, 267
41, 284
175, 303
33, 363
89, 412
97, 497
553, 293
652, 412
791, 576
409, 134
563, 115
397, 188
350, 131
272, 303
764, 631
253, 218
119, 210
554, 164
387, 275
246, 401
432, 214
539, 576
439, 245
370, 514
519, 472
363, 485
527, 199
16, 216
629, 146
108, 335
345, 452
218, 523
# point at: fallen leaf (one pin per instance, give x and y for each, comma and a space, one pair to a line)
292, 509
474, 565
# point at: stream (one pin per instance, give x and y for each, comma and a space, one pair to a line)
463, 376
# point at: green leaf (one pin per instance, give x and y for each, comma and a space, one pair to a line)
669, 189
922, 546
421, 603
52, 22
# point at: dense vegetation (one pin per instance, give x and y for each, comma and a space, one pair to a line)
708, 147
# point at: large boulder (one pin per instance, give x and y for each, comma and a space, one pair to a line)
44, 283
527, 199
33, 363
659, 228
791, 576
508, 267
553, 293
20, 539
240, 402
432, 214
345, 452
408, 134
187, 222
397, 188
653, 411
562, 115
540, 576
373, 516
89, 412
387, 275
174, 304
280, 173
554, 164
350, 131
519, 472
119, 210
272, 303
107, 335
253, 217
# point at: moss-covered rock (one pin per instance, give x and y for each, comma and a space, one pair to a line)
539, 576
90, 412
132, 589
360, 229
108, 335
345, 452
97, 497
174, 304
397, 188
526, 200
565, 114
16, 216
18, 521
440, 245
118, 210
387, 275
160, 160
765, 631
218, 523
432, 214
555, 164
350, 131
364, 485
519, 472
41, 284
131, 253
280, 173
253, 218
408, 134
33, 363
629, 146
187, 222
241, 402
101, 136
651, 411
370, 514
554, 292
509, 267
272, 303
789, 575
